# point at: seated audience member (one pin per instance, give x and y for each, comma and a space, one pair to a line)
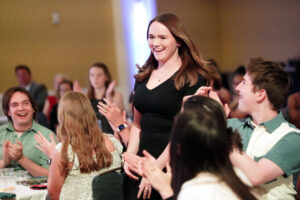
271, 144
37, 91
102, 86
216, 82
64, 87
17, 142
53, 99
200, 170
238, 76
85, 151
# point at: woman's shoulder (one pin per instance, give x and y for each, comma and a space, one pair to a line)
112, 143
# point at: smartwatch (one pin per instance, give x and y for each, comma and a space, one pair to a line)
49, 162
121, 127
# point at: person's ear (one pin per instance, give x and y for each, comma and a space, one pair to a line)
261, 95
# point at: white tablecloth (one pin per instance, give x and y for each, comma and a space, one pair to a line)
25, 193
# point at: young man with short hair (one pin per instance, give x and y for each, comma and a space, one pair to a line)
17, 144
271, 149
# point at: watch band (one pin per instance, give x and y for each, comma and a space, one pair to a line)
121, 127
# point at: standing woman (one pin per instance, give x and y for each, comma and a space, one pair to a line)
173, 70
102, 86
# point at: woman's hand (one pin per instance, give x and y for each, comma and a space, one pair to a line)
110, 89
145, 189
156, 177
133, 163
209, 92
204, 91
77, 87
153, 173
112, 113
44, 145
159, 180
128, 172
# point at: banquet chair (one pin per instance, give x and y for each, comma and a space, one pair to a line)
108, 185
7, 196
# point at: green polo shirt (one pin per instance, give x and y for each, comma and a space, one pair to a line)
7, 132
285, 153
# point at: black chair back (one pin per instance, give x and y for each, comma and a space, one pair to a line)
108, 186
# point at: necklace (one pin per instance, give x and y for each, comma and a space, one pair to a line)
160, 77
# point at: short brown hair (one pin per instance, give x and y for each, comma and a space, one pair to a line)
24, 67
270, 76
9, 93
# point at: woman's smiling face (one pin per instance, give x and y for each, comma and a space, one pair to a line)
161, 42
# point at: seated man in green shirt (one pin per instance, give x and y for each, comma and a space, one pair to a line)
17, 144
271, 145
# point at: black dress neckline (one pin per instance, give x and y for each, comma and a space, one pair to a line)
163, 83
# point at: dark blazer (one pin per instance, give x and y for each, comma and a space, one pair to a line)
39, 94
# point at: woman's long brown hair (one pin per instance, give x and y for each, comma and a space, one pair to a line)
192, 62
78, 128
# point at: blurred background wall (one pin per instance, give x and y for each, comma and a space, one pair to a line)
229, 31
85, 34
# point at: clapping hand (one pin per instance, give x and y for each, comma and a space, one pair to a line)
110, 89
44, 145
5, 155
159, 180
77, 87
208, 91
16, 151
133, 163
112, 113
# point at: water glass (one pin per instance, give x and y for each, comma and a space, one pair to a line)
21, 176
6, 171
7, 178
